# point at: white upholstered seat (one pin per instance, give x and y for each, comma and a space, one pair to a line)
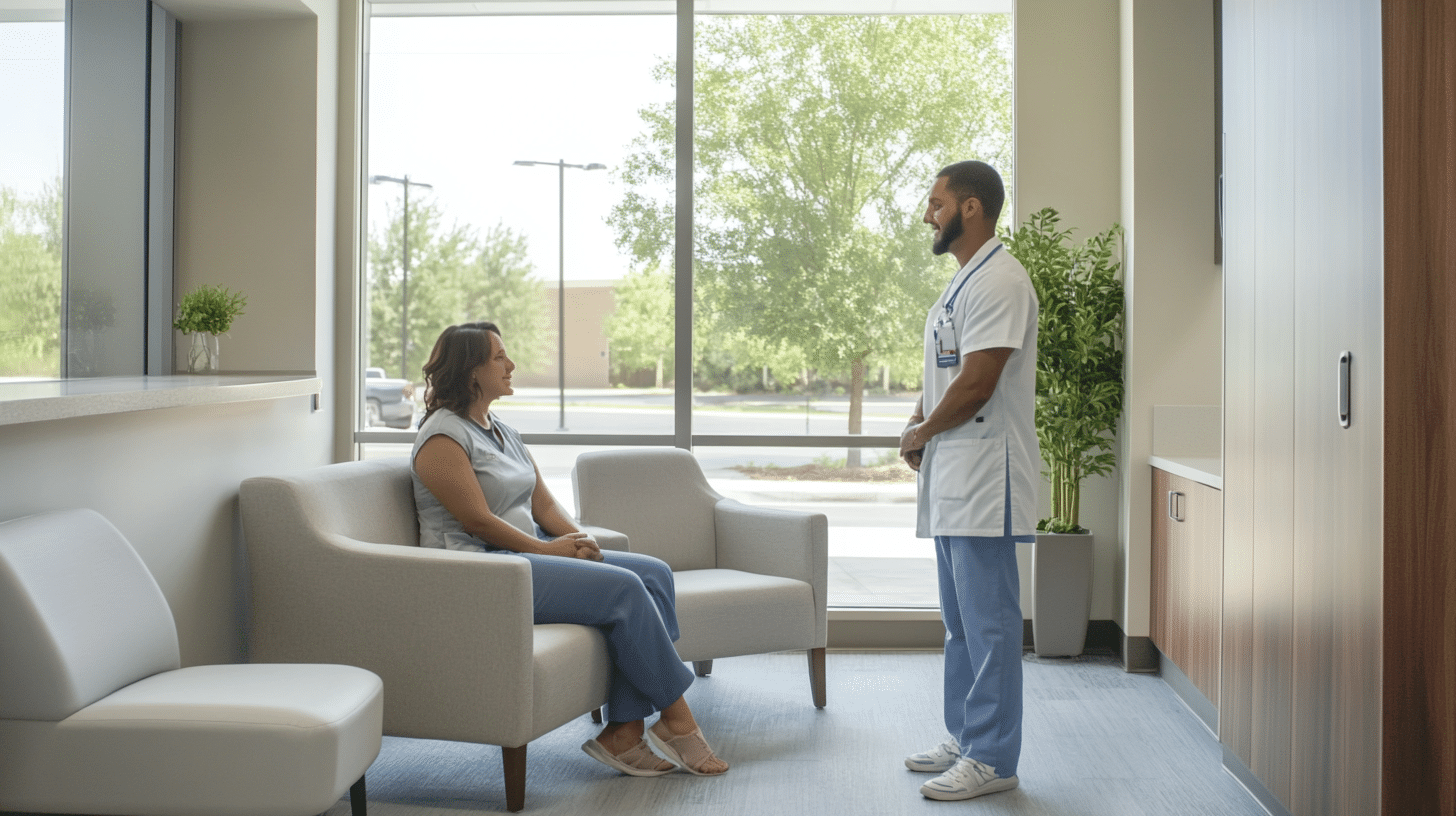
338, 576
96, 716
749, 580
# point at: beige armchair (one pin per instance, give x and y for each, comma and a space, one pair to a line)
749, 580
97, 717
338, 577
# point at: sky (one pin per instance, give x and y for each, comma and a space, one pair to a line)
453, 101
32, 104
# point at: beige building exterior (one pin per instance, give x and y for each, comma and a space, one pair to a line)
588, 358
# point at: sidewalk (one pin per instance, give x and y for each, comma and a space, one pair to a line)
874, 404
735, 485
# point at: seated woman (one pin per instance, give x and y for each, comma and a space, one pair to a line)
477, 488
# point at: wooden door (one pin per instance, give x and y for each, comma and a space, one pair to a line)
1302, 493
1337, 227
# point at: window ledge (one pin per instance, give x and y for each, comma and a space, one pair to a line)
24, 401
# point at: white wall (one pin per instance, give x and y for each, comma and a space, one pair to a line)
168, 479
248, 161
340, 119
1114, 123
1067, 157
1067, 112
1174, 289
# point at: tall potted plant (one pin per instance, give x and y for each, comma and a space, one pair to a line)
1079, 387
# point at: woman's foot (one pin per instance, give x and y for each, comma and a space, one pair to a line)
689, 750
635, 759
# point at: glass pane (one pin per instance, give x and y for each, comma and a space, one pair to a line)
522, 127
816, 140
32, 91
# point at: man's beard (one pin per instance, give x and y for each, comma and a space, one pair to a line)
948, 234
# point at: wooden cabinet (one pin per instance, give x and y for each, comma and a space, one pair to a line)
1187, 577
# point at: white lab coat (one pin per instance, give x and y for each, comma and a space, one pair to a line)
967, 471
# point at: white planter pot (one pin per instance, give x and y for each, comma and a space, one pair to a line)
1061, 593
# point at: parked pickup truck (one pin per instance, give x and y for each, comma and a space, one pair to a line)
387, 402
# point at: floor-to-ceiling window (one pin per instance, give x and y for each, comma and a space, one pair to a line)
540, 149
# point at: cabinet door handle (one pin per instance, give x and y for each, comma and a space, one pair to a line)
1175, 505
1343, 397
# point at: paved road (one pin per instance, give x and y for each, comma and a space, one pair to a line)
638, 411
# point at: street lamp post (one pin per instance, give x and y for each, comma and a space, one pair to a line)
561, 273
404, 283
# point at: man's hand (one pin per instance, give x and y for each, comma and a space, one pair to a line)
912, 450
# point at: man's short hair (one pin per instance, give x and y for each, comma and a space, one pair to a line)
976, 179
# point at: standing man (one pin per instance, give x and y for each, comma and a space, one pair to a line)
972, 439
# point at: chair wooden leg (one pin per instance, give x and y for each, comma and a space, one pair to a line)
513, 761
597, 715
358, 804
702, 668
816, 676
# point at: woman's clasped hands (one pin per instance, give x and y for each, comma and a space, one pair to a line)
573, 545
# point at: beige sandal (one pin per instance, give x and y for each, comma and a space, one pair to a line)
690, 751
635, 761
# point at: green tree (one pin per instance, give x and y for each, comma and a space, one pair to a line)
30, 283
816, 140
641, 332
456, 275
640, 328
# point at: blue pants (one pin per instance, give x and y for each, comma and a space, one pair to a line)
630, 598
980, 602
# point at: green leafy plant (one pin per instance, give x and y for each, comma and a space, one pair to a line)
209, 309
827, 461
1079, 377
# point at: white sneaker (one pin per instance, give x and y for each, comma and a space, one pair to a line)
937, 760
967, 779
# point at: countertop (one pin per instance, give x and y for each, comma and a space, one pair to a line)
41, 400
1204, 470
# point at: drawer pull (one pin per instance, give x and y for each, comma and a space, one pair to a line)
1175, 505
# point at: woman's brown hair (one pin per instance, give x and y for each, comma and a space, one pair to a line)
457, 353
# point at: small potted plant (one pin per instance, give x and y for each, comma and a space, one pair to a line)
1079, 388
205, 313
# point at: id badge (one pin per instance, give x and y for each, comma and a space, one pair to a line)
947, 348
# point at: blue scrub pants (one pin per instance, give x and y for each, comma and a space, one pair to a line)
630, 598
980, 602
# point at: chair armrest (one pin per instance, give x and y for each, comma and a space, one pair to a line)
608, 539
381, 600
787, 543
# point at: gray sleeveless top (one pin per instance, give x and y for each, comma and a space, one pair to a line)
506, 473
